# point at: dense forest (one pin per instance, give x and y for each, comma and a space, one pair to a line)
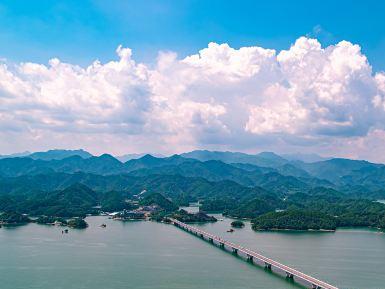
267, 188
294, 220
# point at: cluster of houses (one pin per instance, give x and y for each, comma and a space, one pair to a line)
140, 213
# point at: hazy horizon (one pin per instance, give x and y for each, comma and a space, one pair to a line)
141, 154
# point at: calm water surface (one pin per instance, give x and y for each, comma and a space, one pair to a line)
145, 255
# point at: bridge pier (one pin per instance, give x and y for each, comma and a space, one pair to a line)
289, 276
251, 256
268, 266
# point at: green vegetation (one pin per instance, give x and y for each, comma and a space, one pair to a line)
67, 184
77, 223
48, 220
382, 223
219, 205
255, 207
348, 212
12, 218
294, 220
237, 224
159, 200
77, 200
160, 216
186, 217
114, 201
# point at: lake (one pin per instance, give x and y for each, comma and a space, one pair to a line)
145, 255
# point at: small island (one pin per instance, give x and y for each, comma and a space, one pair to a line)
237, 224
199, 217
77, 223
50, 220
15, 219
12, 218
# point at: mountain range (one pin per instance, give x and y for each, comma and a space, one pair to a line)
50, 154
267, 170
75, 183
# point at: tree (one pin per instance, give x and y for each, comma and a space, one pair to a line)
382, 223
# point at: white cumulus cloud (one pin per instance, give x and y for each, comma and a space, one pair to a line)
307, 97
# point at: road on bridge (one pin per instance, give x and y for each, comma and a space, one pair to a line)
252, 255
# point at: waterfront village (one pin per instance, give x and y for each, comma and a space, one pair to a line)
154, 207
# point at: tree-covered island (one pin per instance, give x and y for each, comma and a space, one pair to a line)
199, 217
237, 224
13, 218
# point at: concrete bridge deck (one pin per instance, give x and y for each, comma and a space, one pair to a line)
254, 256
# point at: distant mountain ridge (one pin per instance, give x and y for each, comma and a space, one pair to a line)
54, 154
264, 159
75, 183
15, 155
128, 157
59, 154
306, 158
267, 169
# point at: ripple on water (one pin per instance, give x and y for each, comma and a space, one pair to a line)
150, 255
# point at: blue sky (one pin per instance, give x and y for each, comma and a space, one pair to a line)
283, 76
81, 31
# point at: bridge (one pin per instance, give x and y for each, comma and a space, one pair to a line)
256, 258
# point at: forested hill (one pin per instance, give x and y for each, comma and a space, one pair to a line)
241, 185
267, 170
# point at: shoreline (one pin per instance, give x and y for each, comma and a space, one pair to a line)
295, 230
3, 224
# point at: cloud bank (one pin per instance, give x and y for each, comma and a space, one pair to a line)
306, 98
